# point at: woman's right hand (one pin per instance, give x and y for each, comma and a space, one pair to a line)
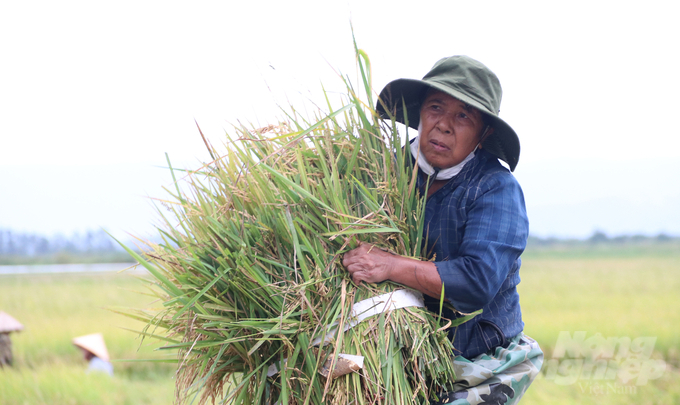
368, 263
373, 265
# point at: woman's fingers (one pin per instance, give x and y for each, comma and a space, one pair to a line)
353, 256
356, 259
357, 278
366, 263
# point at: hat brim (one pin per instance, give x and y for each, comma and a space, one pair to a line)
93, 343
401, 99
9, 324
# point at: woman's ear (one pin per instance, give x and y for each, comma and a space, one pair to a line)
487, 132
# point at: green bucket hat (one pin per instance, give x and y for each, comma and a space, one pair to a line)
467, 80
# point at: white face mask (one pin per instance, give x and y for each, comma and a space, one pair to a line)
444, 174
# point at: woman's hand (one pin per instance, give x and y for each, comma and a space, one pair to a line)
368, 263
373, 265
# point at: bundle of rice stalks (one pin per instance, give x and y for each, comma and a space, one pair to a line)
256, 300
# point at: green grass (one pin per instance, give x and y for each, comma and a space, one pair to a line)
48, 369
615, 293
68, 384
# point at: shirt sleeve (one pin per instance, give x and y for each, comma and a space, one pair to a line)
495, 234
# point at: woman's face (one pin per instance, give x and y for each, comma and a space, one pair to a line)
449, 129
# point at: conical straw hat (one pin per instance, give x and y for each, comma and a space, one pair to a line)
9, 324
94, 344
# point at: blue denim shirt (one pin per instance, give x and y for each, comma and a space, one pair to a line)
476, 228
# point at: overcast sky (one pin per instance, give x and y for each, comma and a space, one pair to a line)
93, 94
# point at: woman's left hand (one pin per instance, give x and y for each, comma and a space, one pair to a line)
368, 263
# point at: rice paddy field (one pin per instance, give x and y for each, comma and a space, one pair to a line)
48, 369
623, 297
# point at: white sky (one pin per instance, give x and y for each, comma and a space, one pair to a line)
92, 94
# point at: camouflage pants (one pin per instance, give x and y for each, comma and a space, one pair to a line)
500, 376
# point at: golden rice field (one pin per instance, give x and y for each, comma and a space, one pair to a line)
54, 308
624, 292
619, 292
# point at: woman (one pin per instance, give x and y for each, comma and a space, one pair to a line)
476, 226
7, 325
94, 352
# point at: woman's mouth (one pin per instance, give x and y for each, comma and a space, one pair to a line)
438, 145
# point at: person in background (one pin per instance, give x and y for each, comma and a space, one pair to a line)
476, 227
7, 325
94, 352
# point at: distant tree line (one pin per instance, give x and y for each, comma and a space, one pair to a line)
90, 246
599, 237
31, 244
98, 246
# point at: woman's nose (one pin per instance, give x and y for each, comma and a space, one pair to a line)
444, 125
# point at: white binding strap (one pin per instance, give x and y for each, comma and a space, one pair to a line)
365, 309
375, 306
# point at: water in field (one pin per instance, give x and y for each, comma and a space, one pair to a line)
64, 268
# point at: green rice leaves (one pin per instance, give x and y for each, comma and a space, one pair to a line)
250, 272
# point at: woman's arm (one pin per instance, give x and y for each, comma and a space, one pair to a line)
496, 230
372, 265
